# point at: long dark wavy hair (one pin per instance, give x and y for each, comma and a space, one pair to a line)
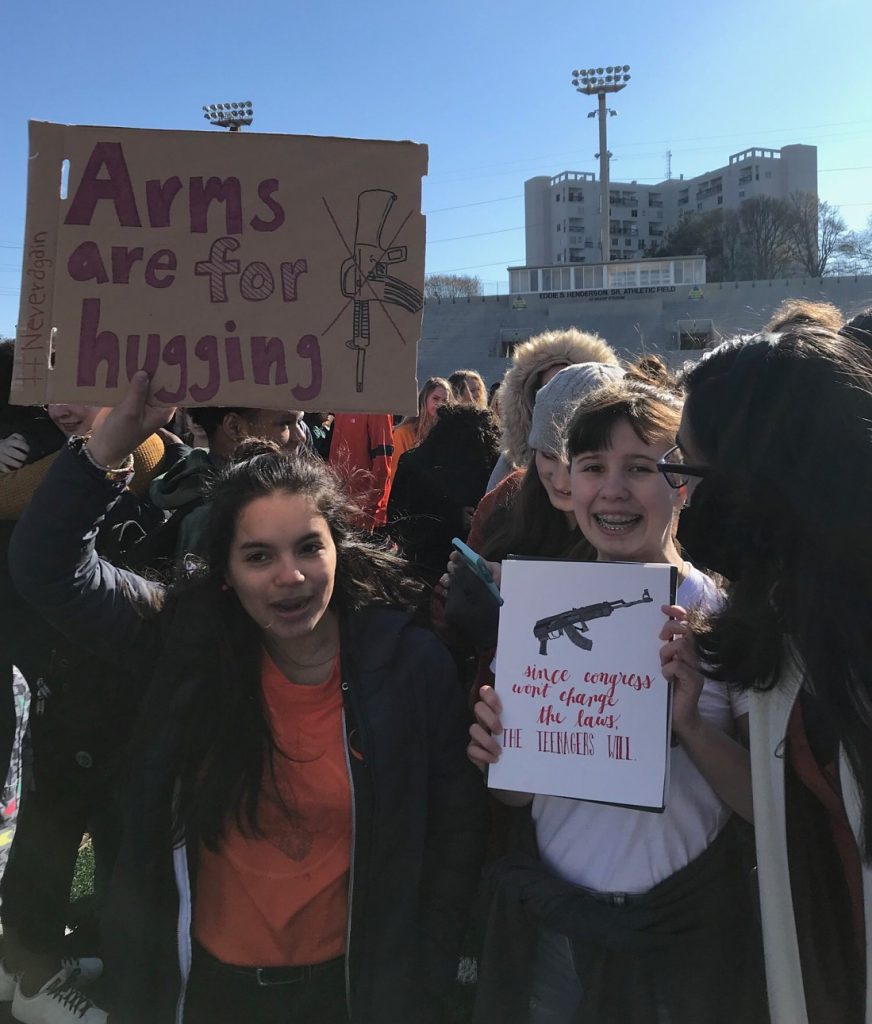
784, 422
223, 745
530, 526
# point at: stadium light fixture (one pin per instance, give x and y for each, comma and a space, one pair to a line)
229, 115
597, 82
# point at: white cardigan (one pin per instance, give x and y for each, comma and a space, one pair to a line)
769, 714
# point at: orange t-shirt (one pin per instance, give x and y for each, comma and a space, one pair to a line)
282, 900
404, 439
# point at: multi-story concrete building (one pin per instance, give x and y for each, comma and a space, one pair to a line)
562, 213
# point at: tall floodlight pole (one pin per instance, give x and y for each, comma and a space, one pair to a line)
229, 115
597, 82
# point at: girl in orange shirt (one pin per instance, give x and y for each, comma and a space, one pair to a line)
412, 431
304, 831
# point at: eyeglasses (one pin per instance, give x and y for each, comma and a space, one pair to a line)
675, 469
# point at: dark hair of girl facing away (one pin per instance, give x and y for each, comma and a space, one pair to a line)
784, 422
223, 744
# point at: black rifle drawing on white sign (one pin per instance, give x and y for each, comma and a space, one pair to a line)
573, 622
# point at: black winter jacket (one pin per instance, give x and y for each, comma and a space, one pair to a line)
418, 819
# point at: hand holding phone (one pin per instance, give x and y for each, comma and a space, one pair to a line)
477, 564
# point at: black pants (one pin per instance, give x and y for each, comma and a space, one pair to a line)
222, 994
51, 822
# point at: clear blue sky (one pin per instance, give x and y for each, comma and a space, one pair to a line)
484, 83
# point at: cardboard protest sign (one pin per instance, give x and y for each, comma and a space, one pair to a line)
586, 710
269, 271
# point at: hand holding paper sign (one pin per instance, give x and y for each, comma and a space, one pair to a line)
724, 763
119, 431
680, 664
484, 750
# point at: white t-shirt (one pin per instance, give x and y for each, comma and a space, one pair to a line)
615, 849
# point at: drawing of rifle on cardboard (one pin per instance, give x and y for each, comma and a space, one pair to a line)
364, 274
573, 623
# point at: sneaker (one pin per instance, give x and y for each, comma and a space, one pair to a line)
8, 983
57, 1002
82, 970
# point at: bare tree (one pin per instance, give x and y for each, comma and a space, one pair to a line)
732, 251
856, 253
765, 222
816, 233
451, 286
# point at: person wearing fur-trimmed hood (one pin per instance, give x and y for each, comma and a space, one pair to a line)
534, 363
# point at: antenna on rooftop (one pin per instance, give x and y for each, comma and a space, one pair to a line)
669, 165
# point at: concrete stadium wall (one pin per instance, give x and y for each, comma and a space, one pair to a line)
472, 333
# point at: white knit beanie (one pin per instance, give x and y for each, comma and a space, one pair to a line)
556, 402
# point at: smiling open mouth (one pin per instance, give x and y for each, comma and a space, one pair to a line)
616, 523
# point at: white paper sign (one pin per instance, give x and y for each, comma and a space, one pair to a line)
586, 710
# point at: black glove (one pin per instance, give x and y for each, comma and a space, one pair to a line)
471, 609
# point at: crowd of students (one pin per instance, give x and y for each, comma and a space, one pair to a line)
263, 685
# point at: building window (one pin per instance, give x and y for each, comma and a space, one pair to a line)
694, 334
694, 340
634, 213
622, 279
720, 200
589, 277
687, 272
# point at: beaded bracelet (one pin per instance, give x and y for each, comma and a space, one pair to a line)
119, 475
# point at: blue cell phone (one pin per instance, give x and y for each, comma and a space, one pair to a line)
479, 567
